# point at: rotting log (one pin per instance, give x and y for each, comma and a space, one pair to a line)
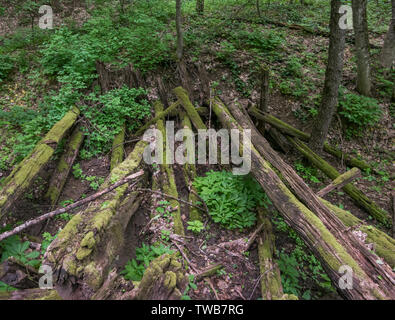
30, 294
161, 115
370, 279
63, 168
385, 245
340, 181
271, 287
357, 195
169, 183
84, 251
189, 171
24, 173
202, 111
117, 148
193, 115
164, 279
289, 130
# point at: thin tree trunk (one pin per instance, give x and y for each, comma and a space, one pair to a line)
361, 46
388, 52
200, 6
180, 40
332, 80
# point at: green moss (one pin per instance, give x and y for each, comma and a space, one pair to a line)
60, 128
71, 228
88, 241
93, 276
82, 253
117, 151
170, 280
52, 295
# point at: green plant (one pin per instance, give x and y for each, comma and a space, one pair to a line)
77, 171
230, 199
307, 173
359, 111
288, 266
195, 226
190, 285
134, 269
13, 247
47, 240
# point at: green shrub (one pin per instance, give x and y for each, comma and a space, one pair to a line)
230, 199
359, 111
6, 66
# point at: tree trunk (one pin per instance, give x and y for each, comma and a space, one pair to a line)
117, 148
361, 46
25, 172
180, 37
388, 52
200, 6
319, 228
332, 80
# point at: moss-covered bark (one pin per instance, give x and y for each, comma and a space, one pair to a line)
24, 173
288, 129
117, 148
169, 183
271, 286
356, 194
331, 251
63, 168
31, 294
85, 249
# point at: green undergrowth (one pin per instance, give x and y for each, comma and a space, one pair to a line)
231, 200
301, 273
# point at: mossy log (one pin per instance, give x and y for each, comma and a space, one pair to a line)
117, 148
384, 243
164, 279
190, 175
357, 195
193, 115
370, 279
84, 251
161, 115
271, 286
24, 173
289, 130
63, 168
202, 111
169, 182
340, 181
30, 294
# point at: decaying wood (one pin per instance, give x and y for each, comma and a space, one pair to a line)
169, 182
357, 195
208, 272
30, 294
340, 181
156, 118
25, 172
70, 207
320, 229
289, 130
117, 150
63, 168
84, 251
17, 275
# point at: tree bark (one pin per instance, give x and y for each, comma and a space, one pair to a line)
361, 46
200, 6
388, 52
332, 80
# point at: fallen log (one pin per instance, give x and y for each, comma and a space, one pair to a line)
63, 168
17, 275
271, 287
289, 130
83, 253
189, 171
169, 181
340, 181
163, 114
117, 150
357, 195
333, 252
24, 173
30, 294
385, 245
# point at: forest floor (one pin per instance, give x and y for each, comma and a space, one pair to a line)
296, 61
